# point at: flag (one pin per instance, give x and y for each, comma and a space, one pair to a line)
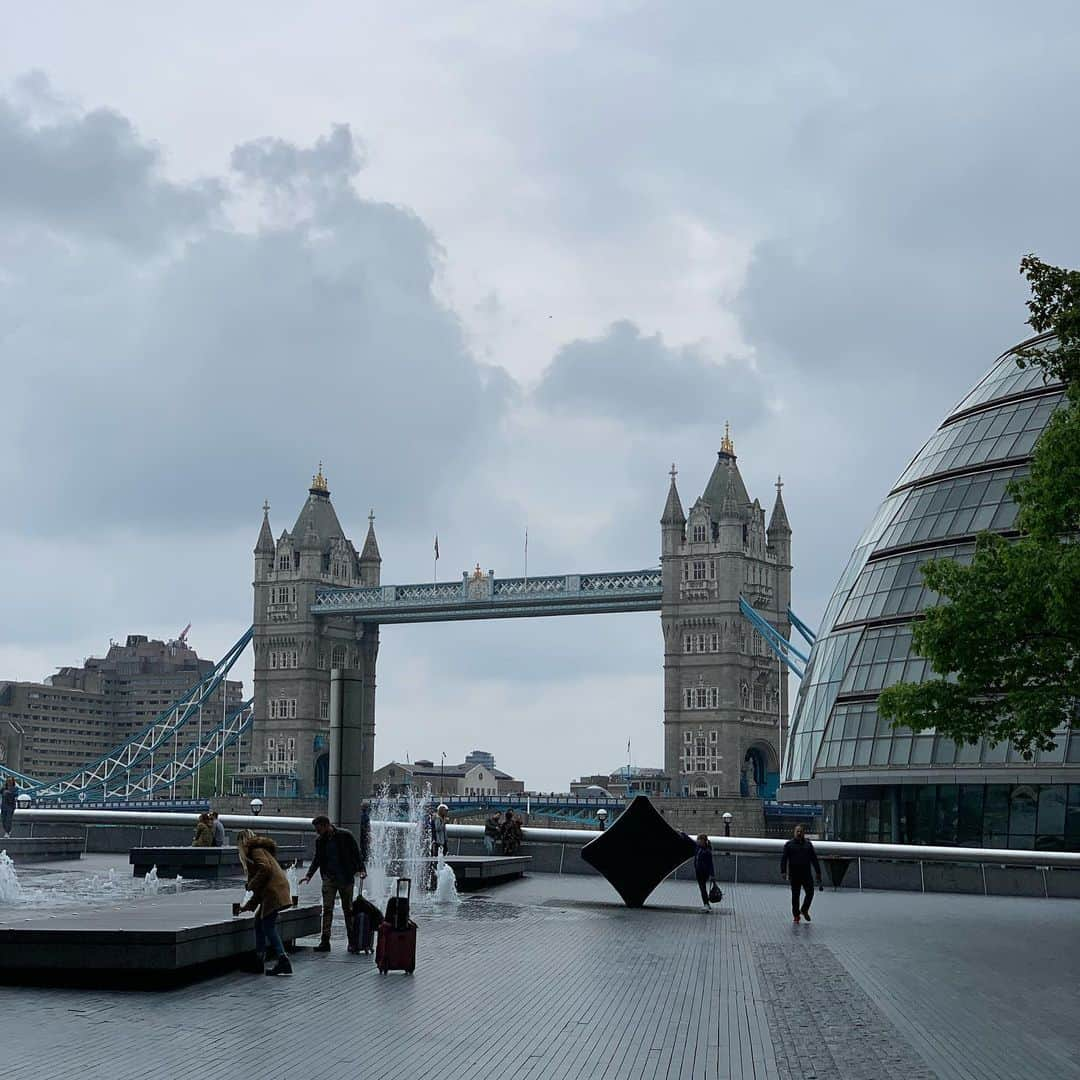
628, 747
436, 547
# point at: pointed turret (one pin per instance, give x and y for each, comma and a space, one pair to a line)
265, 544
778, 520
370, 559
673, 522
673, 511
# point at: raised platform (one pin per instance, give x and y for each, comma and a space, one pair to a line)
202, 863
477, 871
35, 849
158, 939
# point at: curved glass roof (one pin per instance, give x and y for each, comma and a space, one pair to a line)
954, 488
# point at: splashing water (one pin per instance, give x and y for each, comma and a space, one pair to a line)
179, 883
150, 884
293, 876
396, 852
445, 883
10, 889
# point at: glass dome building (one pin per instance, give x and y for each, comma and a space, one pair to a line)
878, 783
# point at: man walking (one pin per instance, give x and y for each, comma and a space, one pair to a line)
337, 856
219, 829
795, 863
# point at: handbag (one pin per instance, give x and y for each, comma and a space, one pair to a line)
715, 895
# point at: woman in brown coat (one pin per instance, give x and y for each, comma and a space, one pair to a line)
270, 892
204, 832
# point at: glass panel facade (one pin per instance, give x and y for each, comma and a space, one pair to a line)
1006, 432
894, 586
1003, 380
864, 644
961, 506
1043, 817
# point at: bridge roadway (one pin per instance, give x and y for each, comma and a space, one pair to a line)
552, 978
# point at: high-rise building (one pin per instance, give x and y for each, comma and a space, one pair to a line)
295, 651
53, 728
725, 700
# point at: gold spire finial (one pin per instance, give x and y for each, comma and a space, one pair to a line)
726, 445
318, 481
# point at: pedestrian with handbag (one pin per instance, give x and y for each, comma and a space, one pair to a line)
705, 872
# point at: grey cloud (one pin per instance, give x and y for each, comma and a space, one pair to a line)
91, 174
172, 394
636, 378
333, 159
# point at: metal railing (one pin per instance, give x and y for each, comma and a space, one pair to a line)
733, 845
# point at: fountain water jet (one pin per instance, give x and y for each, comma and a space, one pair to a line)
10, 889
151, 885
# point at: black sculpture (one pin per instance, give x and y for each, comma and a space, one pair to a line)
638, 851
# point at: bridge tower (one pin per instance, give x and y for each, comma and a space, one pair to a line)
725, 702
295, 650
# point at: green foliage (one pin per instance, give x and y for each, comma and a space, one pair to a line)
1005, 643
1054, 306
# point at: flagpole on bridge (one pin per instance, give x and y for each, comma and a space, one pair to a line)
435, 567
526, 554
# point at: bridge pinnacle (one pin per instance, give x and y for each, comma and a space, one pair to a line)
318, 483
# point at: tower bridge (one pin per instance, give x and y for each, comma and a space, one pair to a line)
722, 590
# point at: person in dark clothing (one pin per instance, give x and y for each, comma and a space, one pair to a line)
365, 835
219, 829
795, 863
338, 858
7, 804
511, 834
703, 868
492, 832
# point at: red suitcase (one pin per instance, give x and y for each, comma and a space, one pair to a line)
396, 949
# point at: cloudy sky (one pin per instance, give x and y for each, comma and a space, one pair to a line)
497, 266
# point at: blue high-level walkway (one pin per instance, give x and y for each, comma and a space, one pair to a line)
484, 596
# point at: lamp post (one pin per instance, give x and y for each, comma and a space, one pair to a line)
727, 823
442, 776
601, 816
256, 806
23, 801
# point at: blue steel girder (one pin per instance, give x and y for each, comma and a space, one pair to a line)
808, 635
781, 648
112, 771
488, 597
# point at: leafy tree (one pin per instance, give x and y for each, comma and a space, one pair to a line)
1005, 643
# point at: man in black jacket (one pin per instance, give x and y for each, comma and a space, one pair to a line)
337, 856
799, 856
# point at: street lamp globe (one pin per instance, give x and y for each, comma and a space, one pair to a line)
256, 806
601, 816
23, 801
726, 817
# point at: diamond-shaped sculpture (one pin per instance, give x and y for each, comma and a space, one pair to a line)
638, 851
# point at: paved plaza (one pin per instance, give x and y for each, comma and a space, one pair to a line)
552, 977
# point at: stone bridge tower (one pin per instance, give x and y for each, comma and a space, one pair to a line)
295, 651
725, 702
